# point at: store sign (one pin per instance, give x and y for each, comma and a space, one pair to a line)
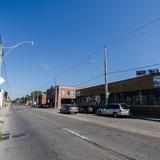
156, 81
141, 73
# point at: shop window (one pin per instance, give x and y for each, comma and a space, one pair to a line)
68, 93
72, 93
144, 100
152, 99
129, 99
158, 99
63, 93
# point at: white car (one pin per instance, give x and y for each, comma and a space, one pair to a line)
114, 110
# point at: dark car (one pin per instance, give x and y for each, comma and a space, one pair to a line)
85, 109
43, 106
69, 108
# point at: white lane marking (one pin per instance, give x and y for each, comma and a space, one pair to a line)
40, 117
77, 134
37, 115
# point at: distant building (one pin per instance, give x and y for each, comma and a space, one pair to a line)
2, 98
59, 95
42, 99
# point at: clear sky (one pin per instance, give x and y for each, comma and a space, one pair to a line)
66, 31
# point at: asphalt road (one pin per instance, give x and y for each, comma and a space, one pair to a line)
43, 134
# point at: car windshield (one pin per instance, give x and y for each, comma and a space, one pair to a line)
124, 106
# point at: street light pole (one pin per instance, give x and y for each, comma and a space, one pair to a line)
3, 56
55, 92
13, 47
106, 75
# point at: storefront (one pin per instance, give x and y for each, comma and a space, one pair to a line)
144, 90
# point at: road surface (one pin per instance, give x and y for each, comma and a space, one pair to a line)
44, 134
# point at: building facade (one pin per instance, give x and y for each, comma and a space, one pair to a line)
2, 93
59, 95
42, 99
4, 99
144, 90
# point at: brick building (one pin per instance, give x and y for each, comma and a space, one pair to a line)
144, 90
42, 99
58, 95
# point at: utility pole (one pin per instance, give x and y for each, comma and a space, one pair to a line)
37, 99
106, 75
55, 92
1, 55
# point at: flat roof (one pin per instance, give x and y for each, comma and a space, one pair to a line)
128, 85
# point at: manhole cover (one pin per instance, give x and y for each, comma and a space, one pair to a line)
5, 136
2, 122
19, 135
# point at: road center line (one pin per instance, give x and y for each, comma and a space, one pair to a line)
40, 117
77, 134
37, 115
115, 153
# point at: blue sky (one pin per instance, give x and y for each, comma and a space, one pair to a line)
66, 31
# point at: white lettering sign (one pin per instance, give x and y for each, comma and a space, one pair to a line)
156, 81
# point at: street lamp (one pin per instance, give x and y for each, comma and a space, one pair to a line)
2, 57
14, 46
99, 66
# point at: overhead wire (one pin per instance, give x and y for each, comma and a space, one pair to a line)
135, 36
75, 66
134, 31
118, 71
80, 62
112, 42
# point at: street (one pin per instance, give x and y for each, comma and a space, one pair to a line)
45, 134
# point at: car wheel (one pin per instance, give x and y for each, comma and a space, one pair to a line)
115, 115
89, 110
99, 113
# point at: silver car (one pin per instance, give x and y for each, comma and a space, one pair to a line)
114, 110
69, 108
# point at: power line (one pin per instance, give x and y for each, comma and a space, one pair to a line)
118, 71
133, 69
80, 62
138, 35
96, 77
112, 42
134, 31
73, 67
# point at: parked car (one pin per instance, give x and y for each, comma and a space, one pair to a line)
43, 106
69, 108
114, 110
85, 109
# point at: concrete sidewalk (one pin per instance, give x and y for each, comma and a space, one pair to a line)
3, 117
